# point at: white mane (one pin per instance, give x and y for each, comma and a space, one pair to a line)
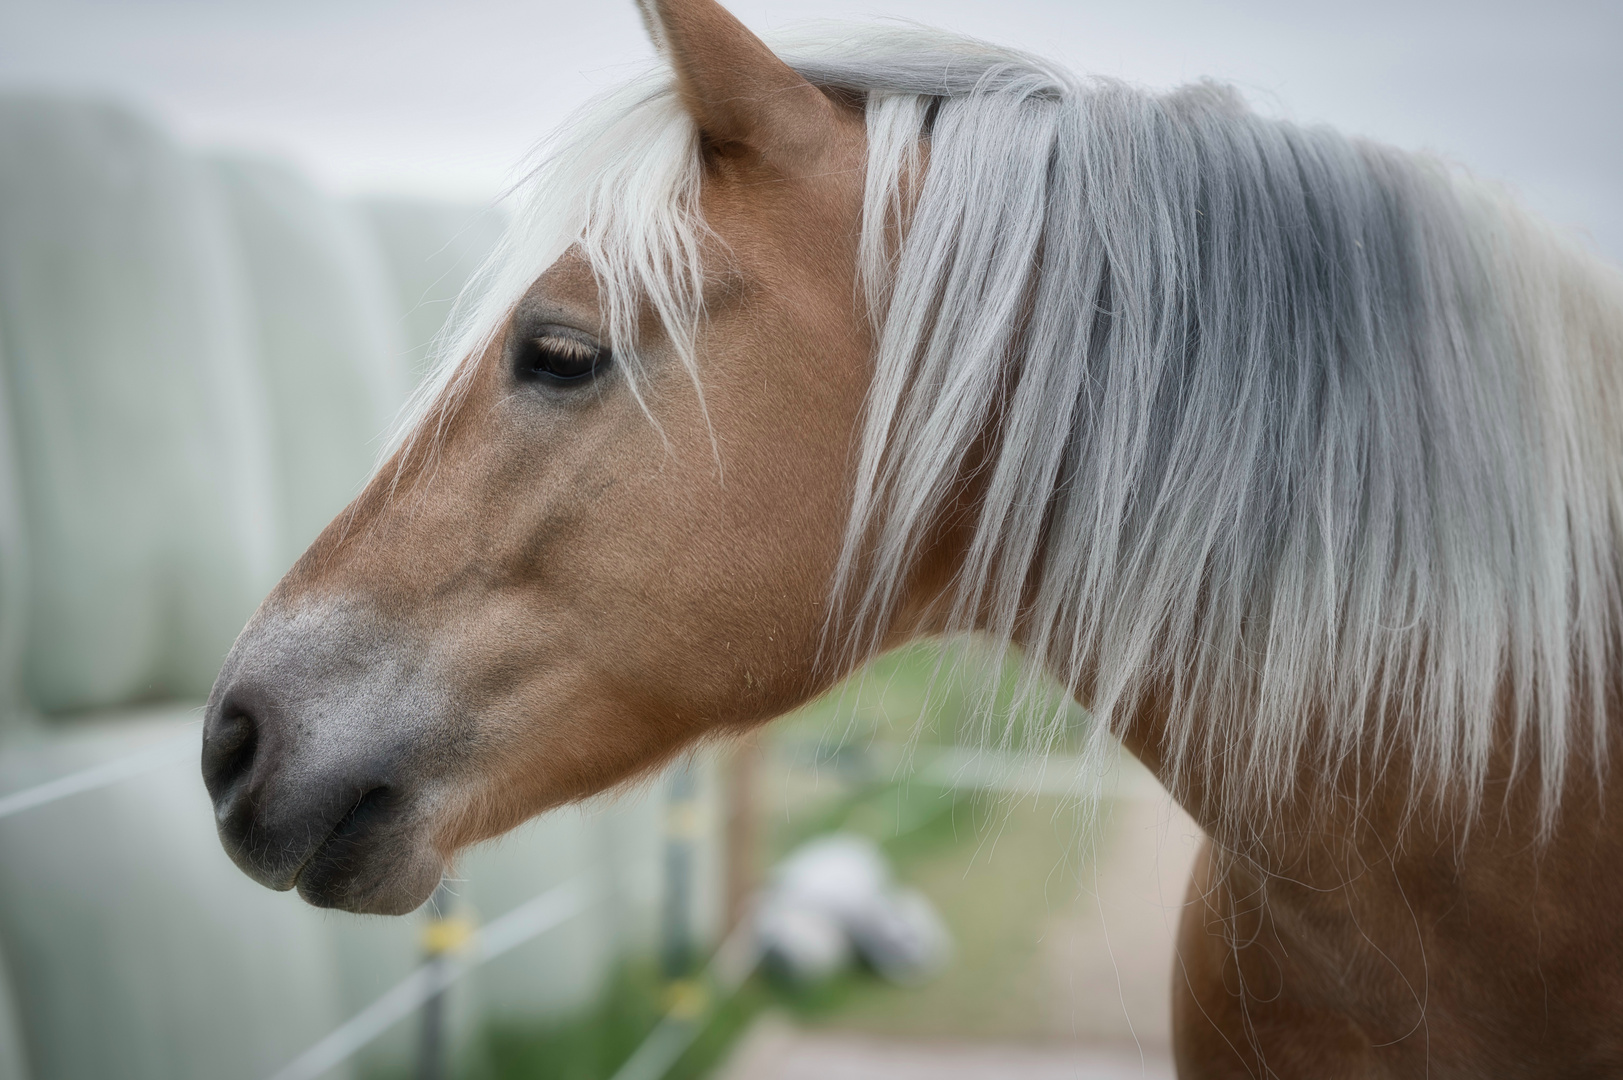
1317, 442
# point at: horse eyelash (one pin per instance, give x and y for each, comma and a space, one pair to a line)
566, 346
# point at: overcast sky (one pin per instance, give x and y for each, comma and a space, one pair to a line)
444, 98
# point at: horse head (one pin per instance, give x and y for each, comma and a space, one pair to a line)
602, 541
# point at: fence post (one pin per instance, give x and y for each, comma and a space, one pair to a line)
442, 935
743, 839
677, 952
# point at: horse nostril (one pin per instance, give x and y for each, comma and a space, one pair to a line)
229, 743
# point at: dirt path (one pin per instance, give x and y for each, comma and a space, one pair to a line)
1108, 958
776, 1051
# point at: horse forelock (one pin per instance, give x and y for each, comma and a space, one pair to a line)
1309, 440
619, 184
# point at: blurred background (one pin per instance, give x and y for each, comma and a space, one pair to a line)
229, 231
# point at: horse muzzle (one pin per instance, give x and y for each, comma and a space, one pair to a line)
314, 743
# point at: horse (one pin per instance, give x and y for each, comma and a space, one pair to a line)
1296, 459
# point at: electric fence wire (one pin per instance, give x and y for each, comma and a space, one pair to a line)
552, 908
732, 963
164, 752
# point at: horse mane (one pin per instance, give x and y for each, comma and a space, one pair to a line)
1310, 441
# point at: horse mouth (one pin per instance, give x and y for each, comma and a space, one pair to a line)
341, 851
370, 861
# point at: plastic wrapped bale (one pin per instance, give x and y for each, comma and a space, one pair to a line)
138, 416
432, 250
328, 336
13, 1056
136, 410
135, 948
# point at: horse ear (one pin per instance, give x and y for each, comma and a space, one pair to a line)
737, 90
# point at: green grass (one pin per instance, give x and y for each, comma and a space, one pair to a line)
593, 1044
586, 1046
958, 695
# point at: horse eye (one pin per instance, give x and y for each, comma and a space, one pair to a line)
558, 359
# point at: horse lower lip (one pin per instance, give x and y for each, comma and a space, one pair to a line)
332, 867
